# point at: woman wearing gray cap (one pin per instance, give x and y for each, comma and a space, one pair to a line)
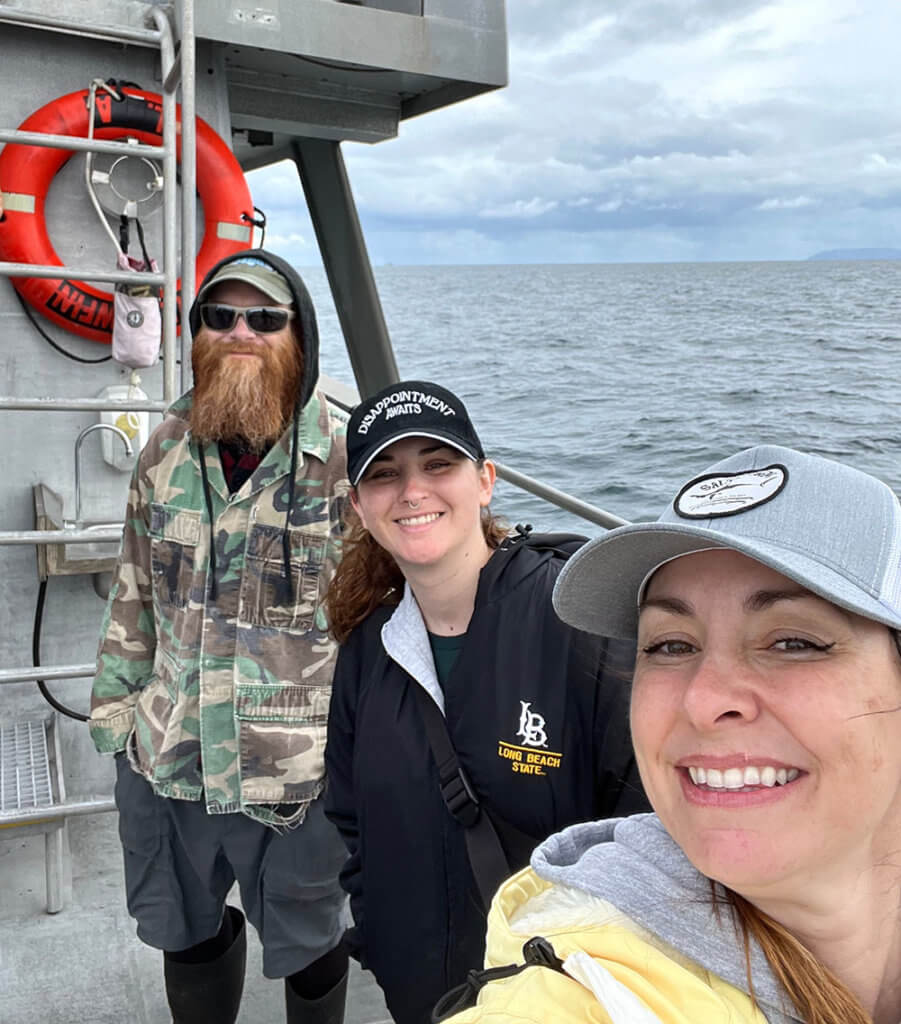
766, 603
467, 722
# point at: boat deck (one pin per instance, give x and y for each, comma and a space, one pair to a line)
85, 965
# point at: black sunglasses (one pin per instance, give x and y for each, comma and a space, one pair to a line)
261, 319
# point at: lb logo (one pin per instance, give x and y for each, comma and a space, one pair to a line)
531, 726
135, 318
524, 758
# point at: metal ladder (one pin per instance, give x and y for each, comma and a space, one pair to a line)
33, 797
322, 169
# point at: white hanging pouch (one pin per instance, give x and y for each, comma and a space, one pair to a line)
137, 324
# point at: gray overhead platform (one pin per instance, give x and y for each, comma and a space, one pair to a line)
345, 71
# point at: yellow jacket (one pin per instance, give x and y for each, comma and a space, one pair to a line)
617, 972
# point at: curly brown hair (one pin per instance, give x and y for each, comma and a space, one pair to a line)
367, 576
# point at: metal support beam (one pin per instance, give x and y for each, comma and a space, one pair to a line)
334, 215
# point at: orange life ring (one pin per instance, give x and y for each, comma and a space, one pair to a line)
26, 173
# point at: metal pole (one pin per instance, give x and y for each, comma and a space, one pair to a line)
73, 536
47, 673
188, 183
170, 214
115, 276
129, 35
81, 404
30, 815
78, 145
53, 869
173, 79
334, 215
559, 498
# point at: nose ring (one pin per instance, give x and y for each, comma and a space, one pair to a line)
413, 504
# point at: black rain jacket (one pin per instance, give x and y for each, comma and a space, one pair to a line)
538, 713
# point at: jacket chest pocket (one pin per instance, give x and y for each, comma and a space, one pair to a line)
267, 596
174, 533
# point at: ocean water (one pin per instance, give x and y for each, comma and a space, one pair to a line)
618, 382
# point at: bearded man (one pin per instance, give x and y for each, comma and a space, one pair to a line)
215, 667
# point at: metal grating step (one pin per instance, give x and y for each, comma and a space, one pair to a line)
24, 766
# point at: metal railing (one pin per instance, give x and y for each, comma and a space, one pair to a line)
77, 144
51, 672
170, 179
72, 26
582, 509
67, 809
188, 172
65, 536
79, 404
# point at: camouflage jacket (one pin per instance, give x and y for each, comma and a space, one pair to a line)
226, 699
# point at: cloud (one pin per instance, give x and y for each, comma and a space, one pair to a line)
787, 204
645, 129
521, 209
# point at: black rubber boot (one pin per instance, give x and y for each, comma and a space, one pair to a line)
210, 992
327, 1009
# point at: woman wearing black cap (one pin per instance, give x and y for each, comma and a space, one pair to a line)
443, 615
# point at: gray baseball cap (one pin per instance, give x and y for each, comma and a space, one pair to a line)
830, 528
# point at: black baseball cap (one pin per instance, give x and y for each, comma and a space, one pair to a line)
410, 408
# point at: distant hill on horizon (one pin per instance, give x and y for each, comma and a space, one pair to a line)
857, 254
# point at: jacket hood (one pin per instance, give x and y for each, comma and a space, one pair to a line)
520, 556
634, 864
303, 304
403, 629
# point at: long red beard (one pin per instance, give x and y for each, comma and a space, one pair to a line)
251, 399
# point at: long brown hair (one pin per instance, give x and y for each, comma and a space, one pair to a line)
367, 576
818, 995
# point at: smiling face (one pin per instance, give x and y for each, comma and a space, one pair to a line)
422, 502
766, 726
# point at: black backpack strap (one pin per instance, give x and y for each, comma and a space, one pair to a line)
486, 854
538, 952
561, 544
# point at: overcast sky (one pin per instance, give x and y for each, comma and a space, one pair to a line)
643, 130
